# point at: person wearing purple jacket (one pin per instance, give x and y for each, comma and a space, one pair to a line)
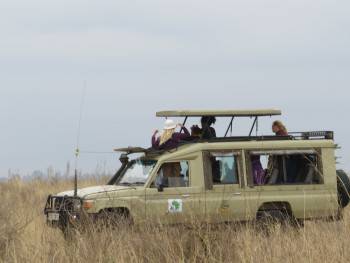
258, 171
169, 139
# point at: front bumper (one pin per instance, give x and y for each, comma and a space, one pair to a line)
63, 211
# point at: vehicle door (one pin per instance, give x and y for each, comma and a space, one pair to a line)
172, 197
225, 199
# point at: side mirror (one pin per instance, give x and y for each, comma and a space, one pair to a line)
160, 188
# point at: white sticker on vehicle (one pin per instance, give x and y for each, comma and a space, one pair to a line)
175, 206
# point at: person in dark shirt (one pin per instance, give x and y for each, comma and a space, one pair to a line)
208, 132
169, 139
258, 171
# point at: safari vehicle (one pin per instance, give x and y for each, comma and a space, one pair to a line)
213, 180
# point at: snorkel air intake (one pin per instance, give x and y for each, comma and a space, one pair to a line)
124, 159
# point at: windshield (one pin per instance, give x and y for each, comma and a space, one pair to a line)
137, 172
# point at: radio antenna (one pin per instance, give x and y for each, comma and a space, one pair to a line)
77, 150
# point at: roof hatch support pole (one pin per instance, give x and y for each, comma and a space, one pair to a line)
254, 123
230, 126
183, 124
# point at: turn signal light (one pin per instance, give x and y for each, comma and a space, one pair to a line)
88, 204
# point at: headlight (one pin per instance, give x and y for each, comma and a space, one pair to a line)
76, 205
88, 204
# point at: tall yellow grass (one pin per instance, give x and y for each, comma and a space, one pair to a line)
24, 237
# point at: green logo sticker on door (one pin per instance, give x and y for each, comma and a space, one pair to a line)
175, 206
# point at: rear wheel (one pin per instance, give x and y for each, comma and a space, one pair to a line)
268, 218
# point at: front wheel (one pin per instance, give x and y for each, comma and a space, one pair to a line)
114, 218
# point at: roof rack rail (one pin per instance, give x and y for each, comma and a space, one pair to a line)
313, 135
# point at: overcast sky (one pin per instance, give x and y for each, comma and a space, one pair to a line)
139, 57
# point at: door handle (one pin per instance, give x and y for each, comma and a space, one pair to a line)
237, 193
186, 196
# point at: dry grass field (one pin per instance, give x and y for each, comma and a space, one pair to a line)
24, 237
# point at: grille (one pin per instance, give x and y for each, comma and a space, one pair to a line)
60, 204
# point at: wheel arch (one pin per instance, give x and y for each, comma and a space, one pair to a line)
276, 205
120, 210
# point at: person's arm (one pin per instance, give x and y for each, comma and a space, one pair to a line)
155, 140
183, 128
186, 132
181, 136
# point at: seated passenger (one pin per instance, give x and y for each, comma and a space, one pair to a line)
279, 129
229, 175
169, 139
208, 132
171, 171
258, 171
274, 173
275, 164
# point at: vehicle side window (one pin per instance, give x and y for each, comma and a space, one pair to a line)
224, 168
173, 174
285, 167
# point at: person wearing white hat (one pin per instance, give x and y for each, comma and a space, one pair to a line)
169, 138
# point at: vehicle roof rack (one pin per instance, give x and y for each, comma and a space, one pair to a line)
311, 135
219, 113
133, 150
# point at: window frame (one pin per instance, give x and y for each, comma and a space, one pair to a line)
135, 161
208, 171
283, 152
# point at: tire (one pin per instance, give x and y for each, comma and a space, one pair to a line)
267, 218
115, 218
343, 185
271, 216
70, 233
